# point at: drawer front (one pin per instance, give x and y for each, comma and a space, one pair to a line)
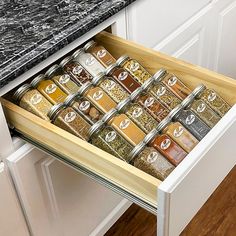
125, 179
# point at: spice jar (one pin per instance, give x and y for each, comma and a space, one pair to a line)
88, 61
84, 107
32, 100
63, 80
68, 119
101, 54
177, 87
215, 101
98, 97
75, 70
123, 78
149, 160
112, 88
109, 140
138, 115
134, 68
49, 89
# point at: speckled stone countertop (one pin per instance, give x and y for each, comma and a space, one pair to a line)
32, 30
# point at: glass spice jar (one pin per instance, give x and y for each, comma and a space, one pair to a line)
63, 80
84, 107
149, 160
134, 68
98, 97
122, 77
49, 89
88, 61
137, 114
76, 71
112, 88
32, 100
109, 140
101, 54
68, 119
215, 101
177, 87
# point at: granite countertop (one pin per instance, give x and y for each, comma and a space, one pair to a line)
32, 30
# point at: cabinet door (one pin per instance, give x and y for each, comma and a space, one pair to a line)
12, 221
60, 201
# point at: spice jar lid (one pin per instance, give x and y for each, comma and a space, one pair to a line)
122, 59
21, 91
137, 149
136, 93
150, 136
37, 79
84, 88
94, 128
188, 100
70, 98
78, 52
89, 44
97, 78
51, 70
121, 105
163, 123
65, 61
110, 68
175, 111
55, 110
147, 83
198, 90
109, 115
159, 74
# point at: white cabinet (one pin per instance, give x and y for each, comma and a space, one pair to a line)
58, 200
12, 221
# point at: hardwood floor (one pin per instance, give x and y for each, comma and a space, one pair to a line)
217, 217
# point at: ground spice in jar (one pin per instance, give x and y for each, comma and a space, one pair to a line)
134, 68
132, 133
123, 78
112, 88
84, 107
164, 95
49, 89
217, 103
202, 110
168, 148
62, 79
32, 100
109, 140
101, 54
76, 71
89, 62
176, 86
68, 119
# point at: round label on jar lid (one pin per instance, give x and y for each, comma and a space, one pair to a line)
37, 98
90, 61
178, 131
110, 136
137, 112
172, 81
101, 53
190, 119
110, 85
51, 88
98, 95
84, 105
149, 101
165, 144
123, 75
211, 97
152, 157
77, 70
134, 66
201, 108
161, 91
70, 117
124, 124
64, 79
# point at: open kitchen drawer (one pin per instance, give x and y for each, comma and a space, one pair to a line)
175, 200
